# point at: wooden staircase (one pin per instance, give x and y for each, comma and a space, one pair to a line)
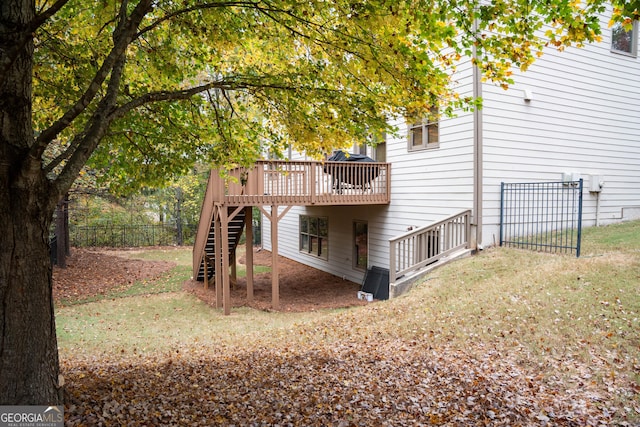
235, 229
270, 185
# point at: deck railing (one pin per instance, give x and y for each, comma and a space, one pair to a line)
206, 216
305, 183
422, 246
288, 183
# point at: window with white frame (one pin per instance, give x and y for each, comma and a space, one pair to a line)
625, 40
314, 236
424, 133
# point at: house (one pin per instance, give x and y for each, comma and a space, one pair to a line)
573, 115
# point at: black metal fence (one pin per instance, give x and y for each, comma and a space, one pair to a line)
129, 235
542, 216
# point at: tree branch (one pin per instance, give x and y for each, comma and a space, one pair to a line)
185, 11
42, 17
232, 84
117, 52
99, 123
54, 163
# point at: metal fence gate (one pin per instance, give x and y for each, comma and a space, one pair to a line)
541, 216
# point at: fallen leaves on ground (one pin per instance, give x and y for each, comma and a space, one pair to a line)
92, 272
310, 378
302, 288
381, 382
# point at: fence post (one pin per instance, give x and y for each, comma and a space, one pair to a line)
579, 218
179, 237
501, 212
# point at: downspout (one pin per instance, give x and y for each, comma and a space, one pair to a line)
477, 151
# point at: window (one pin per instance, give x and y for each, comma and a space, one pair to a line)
360, 245
314, 236
377, 150
424, 133
381, 152
623, 41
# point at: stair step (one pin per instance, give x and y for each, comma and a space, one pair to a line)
234, 232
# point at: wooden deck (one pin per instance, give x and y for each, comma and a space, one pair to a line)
289, 183
273, 184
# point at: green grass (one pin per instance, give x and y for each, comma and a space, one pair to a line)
549, 305
146, 324
156, 316
622, 237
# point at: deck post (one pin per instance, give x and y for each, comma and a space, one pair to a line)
392, 262
312, 183
218, 256
275, 284
226, 298
248, 224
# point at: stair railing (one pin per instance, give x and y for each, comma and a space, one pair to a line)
422, 246
206, 216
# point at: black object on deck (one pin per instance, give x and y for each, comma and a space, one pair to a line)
345, 175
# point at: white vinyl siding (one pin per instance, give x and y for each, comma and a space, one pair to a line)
583, 119
340, 260
426, 186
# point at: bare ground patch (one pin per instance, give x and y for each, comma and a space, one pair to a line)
302, 288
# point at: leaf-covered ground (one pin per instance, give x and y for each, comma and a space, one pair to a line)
348, 383
436, 357
93, 272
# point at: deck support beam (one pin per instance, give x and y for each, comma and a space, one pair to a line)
226, 291
274, 217
275, 282
220, 263
218, 255
248, 226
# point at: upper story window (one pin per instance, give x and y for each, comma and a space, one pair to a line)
625, 41
425, 133
377, 151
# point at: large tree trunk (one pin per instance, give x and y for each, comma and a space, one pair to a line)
28, 347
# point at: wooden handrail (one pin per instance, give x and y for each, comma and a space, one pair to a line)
422, 246
206, 215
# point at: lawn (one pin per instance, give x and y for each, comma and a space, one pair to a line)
506, 337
